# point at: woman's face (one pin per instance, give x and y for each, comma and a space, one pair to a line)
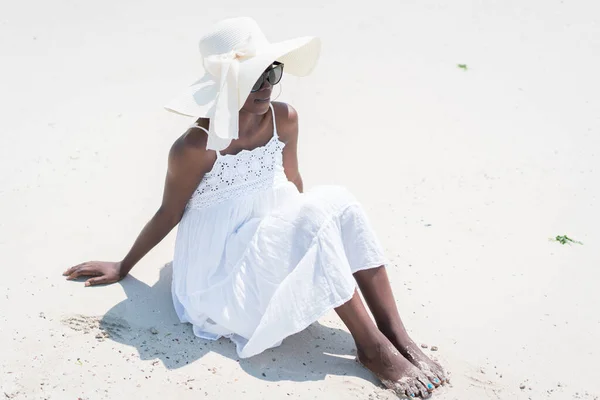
258, 101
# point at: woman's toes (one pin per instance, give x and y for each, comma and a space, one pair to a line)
415, 390
426, 383
400, 388
440, 373
431, 379
442, 376
436, 375
423, 391
404, 389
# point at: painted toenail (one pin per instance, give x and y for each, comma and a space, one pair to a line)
436, 380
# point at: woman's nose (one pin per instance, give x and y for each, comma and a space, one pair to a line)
265, 85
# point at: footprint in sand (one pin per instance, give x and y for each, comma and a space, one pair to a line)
103, 327
479, 380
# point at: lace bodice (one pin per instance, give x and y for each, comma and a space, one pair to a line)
242, 174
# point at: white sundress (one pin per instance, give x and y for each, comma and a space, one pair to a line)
257, 261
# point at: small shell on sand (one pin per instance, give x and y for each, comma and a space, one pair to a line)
434, 348
424, 345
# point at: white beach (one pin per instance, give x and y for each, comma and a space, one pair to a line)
466, 173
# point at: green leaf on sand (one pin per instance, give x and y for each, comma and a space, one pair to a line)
564, 239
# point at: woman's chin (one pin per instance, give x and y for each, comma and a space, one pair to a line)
257, 107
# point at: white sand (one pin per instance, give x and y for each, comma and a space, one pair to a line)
466, 175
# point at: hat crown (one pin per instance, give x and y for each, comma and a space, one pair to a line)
230, 34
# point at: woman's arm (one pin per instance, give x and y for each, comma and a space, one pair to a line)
287, 126
188, 162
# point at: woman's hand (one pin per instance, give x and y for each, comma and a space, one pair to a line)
103, 272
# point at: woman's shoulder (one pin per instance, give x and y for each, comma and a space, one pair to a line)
286, 118
284, 112
190, 150
195, 138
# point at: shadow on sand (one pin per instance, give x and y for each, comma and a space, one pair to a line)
147, 321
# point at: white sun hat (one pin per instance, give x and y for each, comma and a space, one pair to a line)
235, 52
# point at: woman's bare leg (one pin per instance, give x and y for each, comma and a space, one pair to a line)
379, 355
375, 287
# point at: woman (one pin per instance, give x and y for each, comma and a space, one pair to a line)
256, 259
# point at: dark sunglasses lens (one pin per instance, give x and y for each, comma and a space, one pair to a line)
275, 75
258, 83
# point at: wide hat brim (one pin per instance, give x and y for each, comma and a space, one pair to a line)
299, 57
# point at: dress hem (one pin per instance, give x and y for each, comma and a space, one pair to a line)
305, 324
307, 321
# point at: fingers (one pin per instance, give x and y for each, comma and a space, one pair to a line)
72, 269
83, 271
96, 281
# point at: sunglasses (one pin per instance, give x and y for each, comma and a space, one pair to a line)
272, 75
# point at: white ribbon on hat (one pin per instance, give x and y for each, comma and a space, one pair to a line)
225, 67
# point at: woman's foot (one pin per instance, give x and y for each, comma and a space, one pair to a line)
377, 291
412, 352
394, 371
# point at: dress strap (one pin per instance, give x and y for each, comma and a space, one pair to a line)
195, 125
274, 123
